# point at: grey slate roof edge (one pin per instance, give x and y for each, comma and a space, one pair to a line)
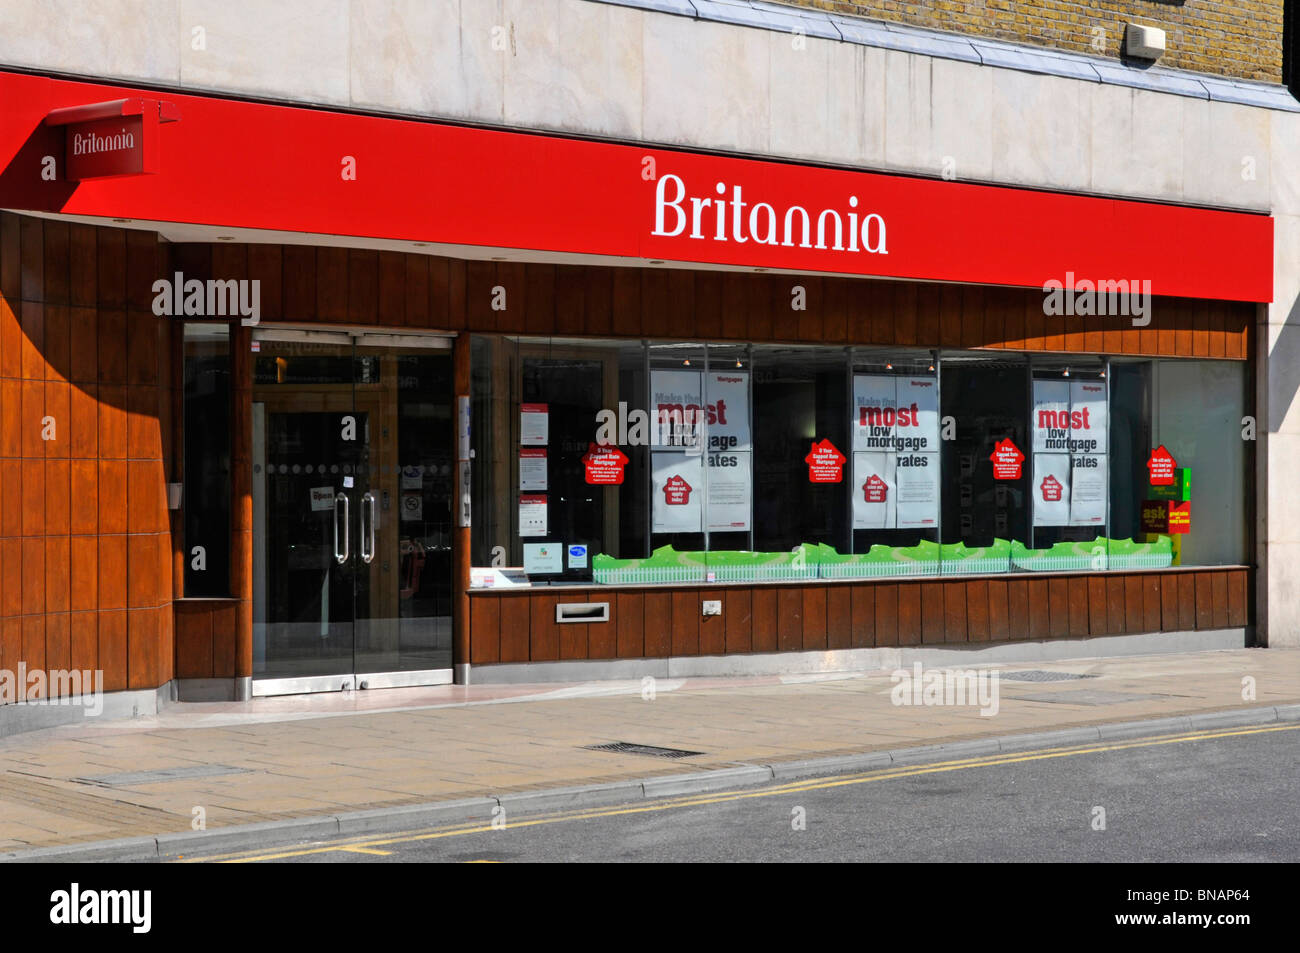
987, 52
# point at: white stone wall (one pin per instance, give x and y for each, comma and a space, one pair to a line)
587, 68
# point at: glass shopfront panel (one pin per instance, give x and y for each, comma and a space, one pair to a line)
352, 489
734, 462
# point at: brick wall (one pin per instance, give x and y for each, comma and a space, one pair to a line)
1242, 39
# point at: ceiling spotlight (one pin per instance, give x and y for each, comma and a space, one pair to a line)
930, 368
889, 366
738, 364
122, 221
686, 363
1067, 372
656, 261
225, 238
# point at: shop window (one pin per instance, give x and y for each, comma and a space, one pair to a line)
896, 485
799, 403
731, 462
205, 494
1069, 469
543, 501
1193, 409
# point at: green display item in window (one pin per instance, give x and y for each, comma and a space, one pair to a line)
820, 561
1100, 553
666, 564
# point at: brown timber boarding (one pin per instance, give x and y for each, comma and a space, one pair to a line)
86, 448
91, 558
658, 621
337, 286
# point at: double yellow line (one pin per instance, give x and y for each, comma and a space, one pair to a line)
375, 846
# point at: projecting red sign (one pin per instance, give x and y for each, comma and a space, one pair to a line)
1051, 489
875, 489
604, 465
825, 463
1006, 457
119, 137
1161, 465
677, 492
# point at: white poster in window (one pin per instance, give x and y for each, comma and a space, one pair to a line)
874, 490
730, 498
726, 395
1051, 416
532, 515
917, 428
1088, 484
1051, 489
895, 413
917, 478
1089, 416
678, 488
534, 425
322, 498
674, 408
874, 402
412, 506
1069, 417
1070, 436
532, 469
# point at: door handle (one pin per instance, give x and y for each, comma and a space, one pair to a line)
368, 536
341, 554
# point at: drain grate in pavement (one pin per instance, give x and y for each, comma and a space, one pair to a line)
1038, 675
162, 774
627, 747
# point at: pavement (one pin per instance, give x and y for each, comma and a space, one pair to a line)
225, 775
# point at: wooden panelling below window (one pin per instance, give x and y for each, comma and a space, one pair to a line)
655, 622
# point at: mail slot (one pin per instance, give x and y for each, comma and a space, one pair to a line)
582, 612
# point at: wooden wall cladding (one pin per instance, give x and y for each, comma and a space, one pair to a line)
395, 289
85, 439
205, 638
655, 622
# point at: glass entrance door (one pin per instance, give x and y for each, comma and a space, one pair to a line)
352, 475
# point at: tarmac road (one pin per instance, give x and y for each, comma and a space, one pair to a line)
1218, 796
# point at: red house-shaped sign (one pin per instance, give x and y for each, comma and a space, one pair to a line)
875, 489
1051, 488
825, 463
677, 492
1006, 457
604, 465
1161, 465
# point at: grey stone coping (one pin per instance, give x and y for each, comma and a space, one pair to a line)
972, 49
